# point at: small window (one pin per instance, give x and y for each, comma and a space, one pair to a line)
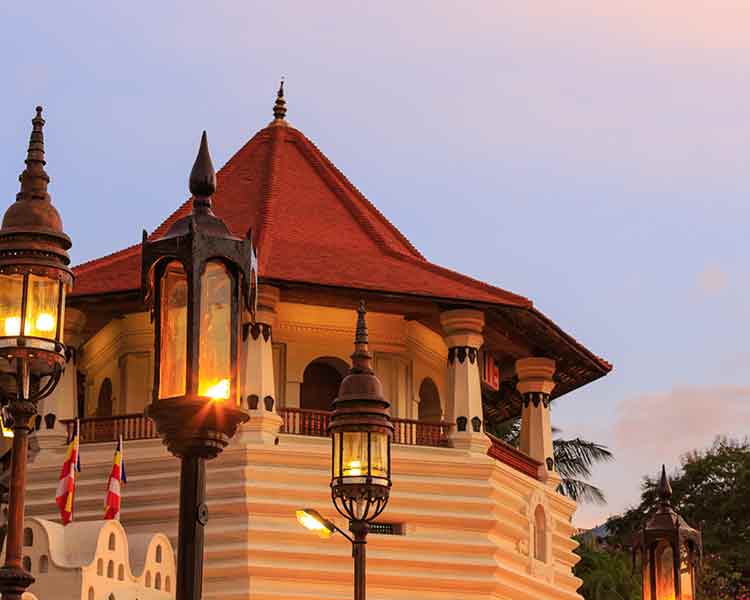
100, 567
158, 553
111, 569
167, 584
111, 541
148, 579
27, 563
121, 572
28, 537
43, 563
91, 593
157, 581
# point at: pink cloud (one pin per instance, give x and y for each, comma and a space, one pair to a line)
660, 427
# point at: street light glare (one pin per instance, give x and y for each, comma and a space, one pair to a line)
311, 519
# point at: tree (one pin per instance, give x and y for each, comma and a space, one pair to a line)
711, 491
606, 575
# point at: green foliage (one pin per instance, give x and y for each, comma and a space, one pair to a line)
606, 575
711, 491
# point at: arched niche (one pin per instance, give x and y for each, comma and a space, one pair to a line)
540, 534
320, 382
429, 401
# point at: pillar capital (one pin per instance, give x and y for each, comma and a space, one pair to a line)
462, 328
535, 375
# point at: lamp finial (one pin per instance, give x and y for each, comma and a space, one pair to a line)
202, 176
279, 107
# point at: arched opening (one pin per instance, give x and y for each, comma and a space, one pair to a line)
540, 534
111, 541
43, 563
111, 569
121, 572
148, 579
167, 584
320, 383
91, 593
26, 562
104, 402
28, 537
158, 553
100, 567
429, 401
157, 581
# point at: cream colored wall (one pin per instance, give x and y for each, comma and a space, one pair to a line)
84, 566
122, 351
405, 351
467, 518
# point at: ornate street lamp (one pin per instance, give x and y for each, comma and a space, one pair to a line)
669, 551
197, 279
34, 278
361, 432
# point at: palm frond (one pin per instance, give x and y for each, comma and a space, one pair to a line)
578, 490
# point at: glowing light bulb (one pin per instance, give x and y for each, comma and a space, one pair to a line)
313, 523
353, 469
218, 391
13, 326
45, 322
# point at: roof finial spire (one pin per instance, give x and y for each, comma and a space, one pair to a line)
664, 490
279, 107
203, 176
34, 178
361, 359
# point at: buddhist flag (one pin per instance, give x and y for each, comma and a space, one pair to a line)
116, 478
66, 487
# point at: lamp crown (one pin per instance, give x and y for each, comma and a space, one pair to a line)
203, 175
664, 490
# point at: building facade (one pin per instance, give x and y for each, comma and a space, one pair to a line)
469, 516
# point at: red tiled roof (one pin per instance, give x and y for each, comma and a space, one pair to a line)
310, 225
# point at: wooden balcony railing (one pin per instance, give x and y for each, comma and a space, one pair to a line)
296, 421
513, 457
301, 421
134, 426
406, 431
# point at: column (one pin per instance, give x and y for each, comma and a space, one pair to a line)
462, 329
258, 390
63, 402
535, 384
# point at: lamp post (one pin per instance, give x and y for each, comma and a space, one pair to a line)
669, 551
361, 433
34, 278
197, 279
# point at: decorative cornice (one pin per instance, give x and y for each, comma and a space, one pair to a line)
536, 398
462, 353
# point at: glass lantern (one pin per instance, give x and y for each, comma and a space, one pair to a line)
198, 280
669, 551
361, 433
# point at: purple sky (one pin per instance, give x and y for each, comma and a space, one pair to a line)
593, 158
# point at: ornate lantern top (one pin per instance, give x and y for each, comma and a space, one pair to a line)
665, 523
32, 237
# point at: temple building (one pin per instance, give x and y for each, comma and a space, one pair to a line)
470, 517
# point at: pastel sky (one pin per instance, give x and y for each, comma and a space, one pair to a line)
591, 155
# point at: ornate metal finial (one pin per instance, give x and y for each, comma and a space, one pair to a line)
203, 176
34, 178
279, 107
362, 358
664, 490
